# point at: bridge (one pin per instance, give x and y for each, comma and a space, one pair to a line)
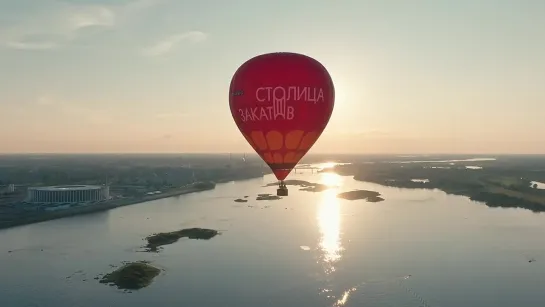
306, 167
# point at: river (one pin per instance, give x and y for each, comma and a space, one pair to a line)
416, 248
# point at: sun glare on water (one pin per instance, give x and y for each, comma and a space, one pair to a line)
329, 220
327, 165
331, 180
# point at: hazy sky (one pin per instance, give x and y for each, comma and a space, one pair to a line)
153, 75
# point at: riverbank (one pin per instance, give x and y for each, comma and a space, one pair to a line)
492, 185
98, 207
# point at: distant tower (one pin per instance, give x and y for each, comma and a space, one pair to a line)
230, 161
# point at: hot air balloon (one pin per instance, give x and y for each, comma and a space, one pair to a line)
281, 103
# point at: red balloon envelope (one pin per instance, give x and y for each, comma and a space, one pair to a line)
281, 102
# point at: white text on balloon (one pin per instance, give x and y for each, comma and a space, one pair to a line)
278, 110
293, 93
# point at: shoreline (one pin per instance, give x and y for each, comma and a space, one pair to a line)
494, 185
38, 217
99, 207
488, 198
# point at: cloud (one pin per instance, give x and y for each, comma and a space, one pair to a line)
375, 133
100, 117
45, 101
142, 4
90, 17
62, 24
58, 23
31, 45
166, 45
171, 115
92, 115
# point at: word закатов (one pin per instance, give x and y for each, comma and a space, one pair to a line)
279, 97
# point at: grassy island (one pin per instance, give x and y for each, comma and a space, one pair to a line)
506, 182
131, 276
305, 185
267, 197
370, 196
165, 238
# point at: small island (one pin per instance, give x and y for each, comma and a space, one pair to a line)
370, 196
131, 276
506, 182
165, 238
305, 185
267, 197
240, 200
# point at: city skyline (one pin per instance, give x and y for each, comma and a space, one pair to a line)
96, 76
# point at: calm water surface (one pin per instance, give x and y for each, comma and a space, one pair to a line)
417, 248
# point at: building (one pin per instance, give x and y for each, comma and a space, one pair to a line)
68, 194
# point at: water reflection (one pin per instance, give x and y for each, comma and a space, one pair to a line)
326, 165
331, 179
344, 297
329, 221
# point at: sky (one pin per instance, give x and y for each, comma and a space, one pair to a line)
427, 76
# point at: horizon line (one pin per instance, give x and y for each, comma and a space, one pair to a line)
254, 153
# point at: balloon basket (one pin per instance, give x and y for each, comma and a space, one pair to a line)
282, 191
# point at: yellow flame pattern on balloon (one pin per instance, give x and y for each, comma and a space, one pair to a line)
275, 140
293, 138
259, 140
296, 141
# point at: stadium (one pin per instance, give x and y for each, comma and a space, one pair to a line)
68, 194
